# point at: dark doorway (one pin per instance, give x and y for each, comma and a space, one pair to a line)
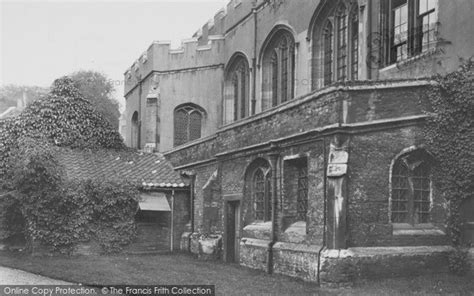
233, 231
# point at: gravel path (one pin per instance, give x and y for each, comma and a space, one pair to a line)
9, 276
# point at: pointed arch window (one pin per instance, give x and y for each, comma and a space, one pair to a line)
262, 194
411, 189
328, 43
279, 68
341, 43
135, 131
188, 122
236, 98
354, 35
336, 46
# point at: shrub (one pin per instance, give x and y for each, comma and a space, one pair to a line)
459, 262
60, 213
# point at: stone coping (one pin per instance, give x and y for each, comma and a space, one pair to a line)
253, 242
293, 247
386, 251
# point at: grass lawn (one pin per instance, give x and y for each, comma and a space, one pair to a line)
229, 279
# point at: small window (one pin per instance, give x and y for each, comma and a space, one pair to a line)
295, 182
411, 189
262, 195
302, 200
187, 124
135, 132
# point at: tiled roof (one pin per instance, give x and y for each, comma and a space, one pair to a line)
147, 170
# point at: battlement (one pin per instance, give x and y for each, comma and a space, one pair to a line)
205, 48
161, 57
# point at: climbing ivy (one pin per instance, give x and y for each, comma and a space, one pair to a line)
449, 135
62, 117
60, 213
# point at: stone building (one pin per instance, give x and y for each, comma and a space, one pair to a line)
299, 123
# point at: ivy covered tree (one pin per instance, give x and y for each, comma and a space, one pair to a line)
58, 212
64, 118
449, 134
98, 90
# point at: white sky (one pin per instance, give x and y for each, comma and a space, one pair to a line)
43, 40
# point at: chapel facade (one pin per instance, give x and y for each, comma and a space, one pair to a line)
299, 124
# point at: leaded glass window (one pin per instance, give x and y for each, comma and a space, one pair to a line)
302, 198
279, 67
262, 195
187, 124
411, 189
328, 45
342, 44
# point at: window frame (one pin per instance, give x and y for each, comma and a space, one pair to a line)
279, 64
340, 44
402, 178
188, 110
415, 32
263, 188
237, 84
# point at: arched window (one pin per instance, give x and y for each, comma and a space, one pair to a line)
411, 188
341, 43
354, 18
278, 69
261, 192
237, 103
135, 131
336, 44
188, 122
328, 43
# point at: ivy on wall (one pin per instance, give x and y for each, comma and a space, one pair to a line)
449, 135
57, 212
61, 213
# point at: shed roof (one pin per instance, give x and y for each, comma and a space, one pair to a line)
147, 170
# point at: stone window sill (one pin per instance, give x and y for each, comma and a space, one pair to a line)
410, 60
417, 229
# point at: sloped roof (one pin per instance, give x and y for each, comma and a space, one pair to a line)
147, 170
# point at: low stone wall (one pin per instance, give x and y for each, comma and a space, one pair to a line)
254, 253
344, 266
296, 260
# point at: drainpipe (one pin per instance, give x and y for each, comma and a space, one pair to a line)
172, 222
193, 182
273, 155
324, 212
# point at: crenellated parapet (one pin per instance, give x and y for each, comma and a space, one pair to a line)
161, 57
205, 48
